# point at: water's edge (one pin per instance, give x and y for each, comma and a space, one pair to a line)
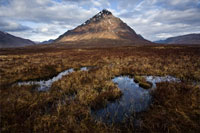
135, 99
44, 85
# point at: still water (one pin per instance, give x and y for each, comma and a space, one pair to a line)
44, 85
134, 99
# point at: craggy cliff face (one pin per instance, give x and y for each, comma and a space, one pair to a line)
102, 26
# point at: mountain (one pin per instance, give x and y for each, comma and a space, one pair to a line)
47, 42
184, 39
102, 26
8, 40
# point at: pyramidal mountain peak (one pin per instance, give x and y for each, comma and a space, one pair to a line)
98, 16
104, 25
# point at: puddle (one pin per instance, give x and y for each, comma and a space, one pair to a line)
158, 79
84, 68
44, 85
134, 99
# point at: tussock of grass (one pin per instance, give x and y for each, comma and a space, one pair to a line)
102, 99
138, 79
142, 82
145, 85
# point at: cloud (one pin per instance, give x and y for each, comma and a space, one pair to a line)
49, 11
12, 26
46, 12
180, 4
159, 19
46, 19
155, 24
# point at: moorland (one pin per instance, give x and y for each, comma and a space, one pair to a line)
67, 105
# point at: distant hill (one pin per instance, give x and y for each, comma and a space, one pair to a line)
8, 41
47, 42
184, 39
101, 27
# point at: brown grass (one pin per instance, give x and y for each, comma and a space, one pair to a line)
66, 106
142, 82
176, 108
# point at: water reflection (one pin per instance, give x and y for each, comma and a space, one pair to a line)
44, 85
158, 79
134, 99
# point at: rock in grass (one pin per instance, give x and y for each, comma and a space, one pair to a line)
145, 85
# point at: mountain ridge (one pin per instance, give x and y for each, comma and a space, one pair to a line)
102, 26
183, 39
47, 41
7, 41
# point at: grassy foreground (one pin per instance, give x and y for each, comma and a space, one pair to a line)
66, 106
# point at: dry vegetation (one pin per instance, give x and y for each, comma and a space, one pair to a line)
66, 106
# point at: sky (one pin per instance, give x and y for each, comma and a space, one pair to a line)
41, 20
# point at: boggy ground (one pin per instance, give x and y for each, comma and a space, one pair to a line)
66, 106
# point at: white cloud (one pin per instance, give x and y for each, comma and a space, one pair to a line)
158, 19
47, 12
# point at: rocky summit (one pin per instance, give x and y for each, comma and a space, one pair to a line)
103, 25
